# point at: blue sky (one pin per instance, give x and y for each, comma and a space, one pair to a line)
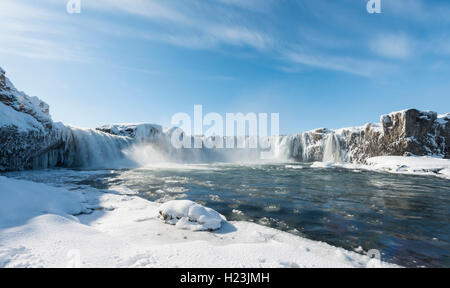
319, 63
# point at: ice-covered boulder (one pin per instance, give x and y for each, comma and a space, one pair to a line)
185, 214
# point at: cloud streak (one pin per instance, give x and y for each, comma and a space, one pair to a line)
392, 46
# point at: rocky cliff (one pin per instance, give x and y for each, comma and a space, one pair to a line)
28, 137
403, 133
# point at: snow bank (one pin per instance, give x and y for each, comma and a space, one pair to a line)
113, 230
22, 200
413, 165
423, 165
185, 214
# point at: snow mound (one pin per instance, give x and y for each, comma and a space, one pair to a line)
185, 214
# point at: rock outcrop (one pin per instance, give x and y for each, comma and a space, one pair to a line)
403, 133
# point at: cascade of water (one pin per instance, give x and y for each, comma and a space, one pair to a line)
97, 149
332, 149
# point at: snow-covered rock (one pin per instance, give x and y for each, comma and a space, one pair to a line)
185, 214
140, 131
28, 136
21, 102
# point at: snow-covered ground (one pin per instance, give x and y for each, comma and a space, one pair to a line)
44, 226
414, 165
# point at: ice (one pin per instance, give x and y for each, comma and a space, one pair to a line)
185, 214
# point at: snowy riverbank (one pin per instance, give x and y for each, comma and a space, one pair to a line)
44, 226
413, 165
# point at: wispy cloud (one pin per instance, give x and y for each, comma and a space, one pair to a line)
195, 26
396, 46
350, 65
30, 30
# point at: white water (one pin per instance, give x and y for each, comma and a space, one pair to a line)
96, 149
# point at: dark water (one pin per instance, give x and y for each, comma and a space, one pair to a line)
407, 218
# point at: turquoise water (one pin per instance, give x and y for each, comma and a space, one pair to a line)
405, 217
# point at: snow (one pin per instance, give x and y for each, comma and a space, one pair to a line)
139, 131
19, 202
24, 122
293, 167
185, 214
442, 119
414, 165
31, 105
328, 164
424, 165
44, 226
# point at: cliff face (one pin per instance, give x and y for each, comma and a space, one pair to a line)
403, 133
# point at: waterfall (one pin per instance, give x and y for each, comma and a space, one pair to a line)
95, 149
332, 150
145, 144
